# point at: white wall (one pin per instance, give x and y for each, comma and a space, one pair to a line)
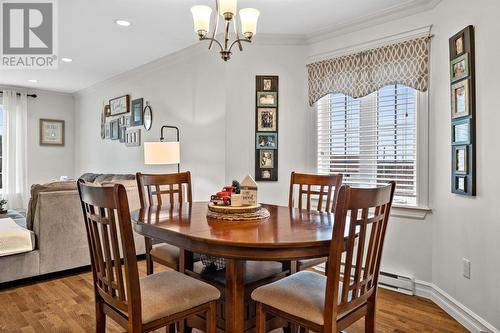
295, 118
185, 89
459, 227
48, 163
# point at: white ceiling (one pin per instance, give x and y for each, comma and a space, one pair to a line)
101, 49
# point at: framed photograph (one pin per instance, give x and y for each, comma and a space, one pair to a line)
121, 134
267, 98
107, 131
119, 105
137, 112
266, 141
51, 132
127, 121
266, 159
267, 119
460, 160
461, 132
133, 137
266, 174
115, 129
461, 184
460, 99
267, 84
458, 45
459, 68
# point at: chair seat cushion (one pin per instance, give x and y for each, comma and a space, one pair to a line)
170, 292
301, 295
165, 252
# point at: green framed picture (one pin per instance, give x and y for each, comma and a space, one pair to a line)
461, 132
459, 67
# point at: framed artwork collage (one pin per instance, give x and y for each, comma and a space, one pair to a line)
463, 112
266, 128
121, 118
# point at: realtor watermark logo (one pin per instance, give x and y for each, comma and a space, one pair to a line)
29, 34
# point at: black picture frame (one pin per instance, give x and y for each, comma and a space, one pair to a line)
463, 182
267, 85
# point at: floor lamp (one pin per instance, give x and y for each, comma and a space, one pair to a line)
163, 152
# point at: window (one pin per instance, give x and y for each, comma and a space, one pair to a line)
373, 140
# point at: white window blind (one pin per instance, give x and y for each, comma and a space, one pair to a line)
371, 140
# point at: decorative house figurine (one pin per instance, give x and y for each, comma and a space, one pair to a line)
248, 189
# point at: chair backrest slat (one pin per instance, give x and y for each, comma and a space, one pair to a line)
176, 186
361, 218
109, 233
314, 186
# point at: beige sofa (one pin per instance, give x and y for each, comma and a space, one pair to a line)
55, 215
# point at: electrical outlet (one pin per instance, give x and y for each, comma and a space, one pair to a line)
466, 268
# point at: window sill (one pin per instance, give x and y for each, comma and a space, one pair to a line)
414, 213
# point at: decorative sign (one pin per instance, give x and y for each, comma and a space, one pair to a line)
51, 132
119, 105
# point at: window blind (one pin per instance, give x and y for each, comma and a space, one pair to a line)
371, 140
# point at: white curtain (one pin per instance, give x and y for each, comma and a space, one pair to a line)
14, 187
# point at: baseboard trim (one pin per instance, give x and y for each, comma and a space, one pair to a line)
454, 308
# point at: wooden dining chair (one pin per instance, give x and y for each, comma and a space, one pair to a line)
159, 189
137, 304
322, 188
349, 290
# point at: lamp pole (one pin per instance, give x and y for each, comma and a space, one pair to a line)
162, 138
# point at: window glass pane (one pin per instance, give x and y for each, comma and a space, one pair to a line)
371, 140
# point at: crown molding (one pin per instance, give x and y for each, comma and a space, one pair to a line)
403, 9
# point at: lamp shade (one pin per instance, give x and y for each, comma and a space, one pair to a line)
249, 17
201, 19
227, 7
162, 153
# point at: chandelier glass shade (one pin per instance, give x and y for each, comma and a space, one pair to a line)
202, 15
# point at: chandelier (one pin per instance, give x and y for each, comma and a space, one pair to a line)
226, 9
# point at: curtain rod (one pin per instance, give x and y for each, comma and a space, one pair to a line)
19, 94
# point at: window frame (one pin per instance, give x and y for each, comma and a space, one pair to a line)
422, 159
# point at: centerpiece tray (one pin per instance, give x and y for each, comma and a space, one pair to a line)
240, 213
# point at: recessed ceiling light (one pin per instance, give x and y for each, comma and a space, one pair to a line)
33, 81
123, 23
66, 59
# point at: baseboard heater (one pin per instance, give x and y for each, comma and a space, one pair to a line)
399, 283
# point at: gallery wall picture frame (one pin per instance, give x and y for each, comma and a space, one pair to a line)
119, 105
133, 137
107, 131
266, 127
266, 140
267, 120
52, 132
267, 99
121, 136
115, 129
136, 116
463, 112
459, 67
460, 99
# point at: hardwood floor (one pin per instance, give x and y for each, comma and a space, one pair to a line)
66, 305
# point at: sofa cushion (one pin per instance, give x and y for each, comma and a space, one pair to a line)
89, 177
55, 186
106, 178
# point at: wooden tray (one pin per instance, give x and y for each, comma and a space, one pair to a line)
233, 210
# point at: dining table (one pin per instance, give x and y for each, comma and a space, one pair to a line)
288, 234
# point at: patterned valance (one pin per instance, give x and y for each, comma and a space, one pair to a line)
362, 73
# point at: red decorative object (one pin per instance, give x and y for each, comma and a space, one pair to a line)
223, 197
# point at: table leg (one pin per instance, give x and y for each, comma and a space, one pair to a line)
185, 260
235, 317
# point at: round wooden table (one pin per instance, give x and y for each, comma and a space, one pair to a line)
288, 234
